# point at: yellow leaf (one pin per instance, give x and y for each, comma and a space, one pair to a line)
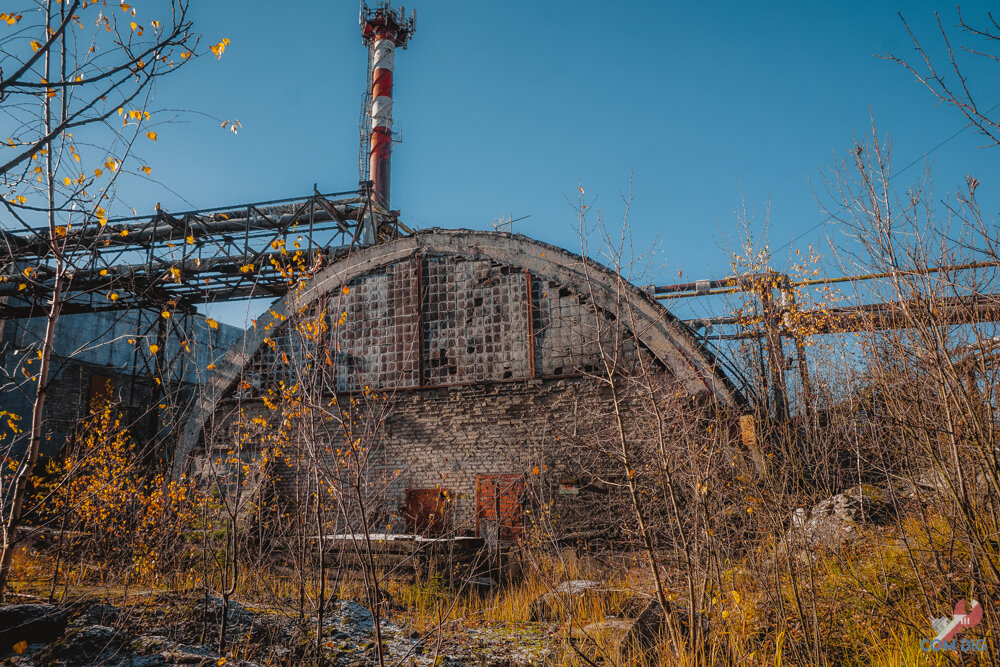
120, 111
97, 173
346, 289
113, 296
190, 240
222, 661
20, 647
21, 286
67, 181
217, 49
210, 366
154, 348
126, 7
21, 199
133, 25
35, 46
60, 230
246, 268
151, 135
211, 323
185, 55
123, 232
104, 272
147, 170
165, 314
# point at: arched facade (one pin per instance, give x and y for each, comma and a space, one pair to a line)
487, 341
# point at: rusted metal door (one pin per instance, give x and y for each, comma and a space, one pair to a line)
498, 506
428, 512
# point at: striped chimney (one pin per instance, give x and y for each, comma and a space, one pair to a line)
382, 30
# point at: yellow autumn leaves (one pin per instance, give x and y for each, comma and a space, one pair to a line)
217, 49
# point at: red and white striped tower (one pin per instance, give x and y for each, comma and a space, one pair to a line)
382, 30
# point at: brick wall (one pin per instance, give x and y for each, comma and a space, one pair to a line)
480, 370
69, 402
548, 430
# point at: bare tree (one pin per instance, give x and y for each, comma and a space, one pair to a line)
62, 98
949, 80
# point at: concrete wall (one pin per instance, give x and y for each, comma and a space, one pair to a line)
93, 347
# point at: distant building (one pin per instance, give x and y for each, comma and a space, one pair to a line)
106, 356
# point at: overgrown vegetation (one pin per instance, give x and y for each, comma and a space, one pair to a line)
826, 522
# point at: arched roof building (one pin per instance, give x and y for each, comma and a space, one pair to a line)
487, 343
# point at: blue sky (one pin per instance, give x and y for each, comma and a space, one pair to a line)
504, 107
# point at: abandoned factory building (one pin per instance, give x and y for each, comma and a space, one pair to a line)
486, 353
104, 356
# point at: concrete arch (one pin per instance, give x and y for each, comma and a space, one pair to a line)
661, 333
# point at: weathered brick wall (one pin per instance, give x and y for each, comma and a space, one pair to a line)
446, 437
483, 367
69, 402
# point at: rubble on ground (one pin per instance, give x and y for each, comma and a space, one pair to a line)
184, 631
834, 522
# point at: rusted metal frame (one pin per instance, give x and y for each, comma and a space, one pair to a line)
776, 355
341, 223
139, 227
202, 239
164, 230
366, 209
479, 479
885, 316
788, 306
531, 326
292, 218
282, 231
473, 383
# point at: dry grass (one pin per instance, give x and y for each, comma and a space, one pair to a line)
861, 606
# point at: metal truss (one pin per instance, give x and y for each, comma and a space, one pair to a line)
179, 260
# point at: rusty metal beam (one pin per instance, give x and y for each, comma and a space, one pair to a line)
884, 316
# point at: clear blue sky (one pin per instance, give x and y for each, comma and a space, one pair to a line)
504, 107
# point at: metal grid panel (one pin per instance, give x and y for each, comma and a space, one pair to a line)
475, 322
